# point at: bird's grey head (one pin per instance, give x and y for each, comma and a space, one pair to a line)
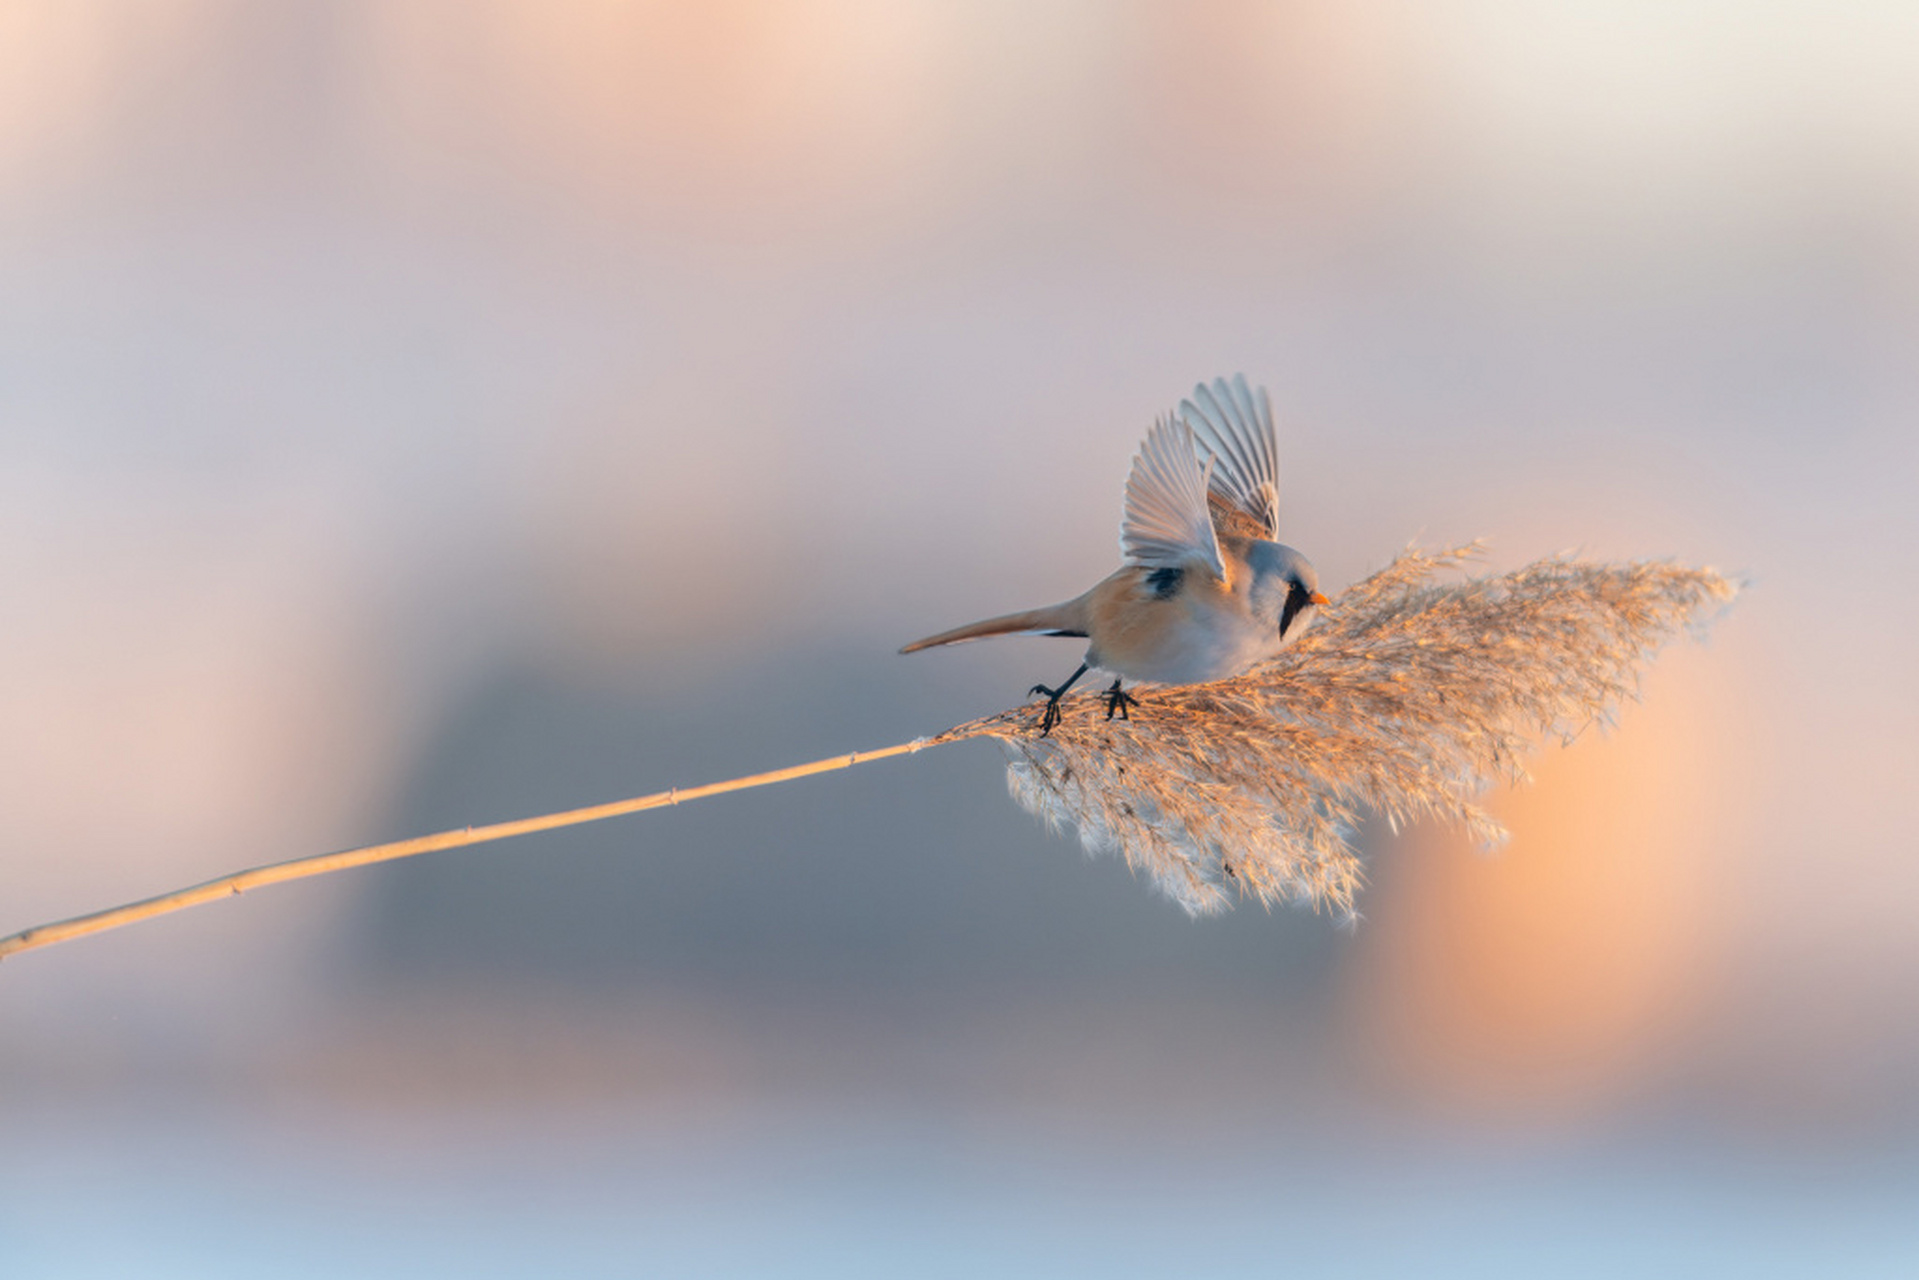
1285, 588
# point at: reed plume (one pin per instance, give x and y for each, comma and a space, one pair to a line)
1407, 699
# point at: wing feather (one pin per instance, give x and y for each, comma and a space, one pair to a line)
1234, 428
1167, 523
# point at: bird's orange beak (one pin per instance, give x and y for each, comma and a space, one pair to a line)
1317, 598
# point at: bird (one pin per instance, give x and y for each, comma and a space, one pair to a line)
1206, 590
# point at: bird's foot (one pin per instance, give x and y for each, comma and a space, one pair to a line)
1118, 700
1051, 715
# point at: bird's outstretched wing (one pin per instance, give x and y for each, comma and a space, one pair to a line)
1234, 427
1167, 524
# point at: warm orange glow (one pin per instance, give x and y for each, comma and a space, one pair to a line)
1250, 98
55, 65
708, 107
1548, 977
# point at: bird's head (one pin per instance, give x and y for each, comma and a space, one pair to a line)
1284, 589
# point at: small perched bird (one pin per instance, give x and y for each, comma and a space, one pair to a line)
1207, 589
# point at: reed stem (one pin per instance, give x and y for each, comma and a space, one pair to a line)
321, 864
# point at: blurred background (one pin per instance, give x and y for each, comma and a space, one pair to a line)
416, 413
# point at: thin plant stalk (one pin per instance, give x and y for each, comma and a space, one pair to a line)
322, 864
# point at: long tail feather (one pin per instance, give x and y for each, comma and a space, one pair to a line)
1054, 620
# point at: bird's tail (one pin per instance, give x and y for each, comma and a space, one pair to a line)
1067, 619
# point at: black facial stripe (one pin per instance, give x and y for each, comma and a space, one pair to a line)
1165, 582
1297, 598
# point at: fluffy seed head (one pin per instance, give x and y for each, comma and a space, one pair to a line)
1411, 695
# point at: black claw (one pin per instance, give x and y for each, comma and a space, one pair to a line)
1051, 716
1118, 700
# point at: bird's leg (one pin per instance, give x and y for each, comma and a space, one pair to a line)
1118, 699
1051, 715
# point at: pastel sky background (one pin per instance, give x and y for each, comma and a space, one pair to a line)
416, 413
